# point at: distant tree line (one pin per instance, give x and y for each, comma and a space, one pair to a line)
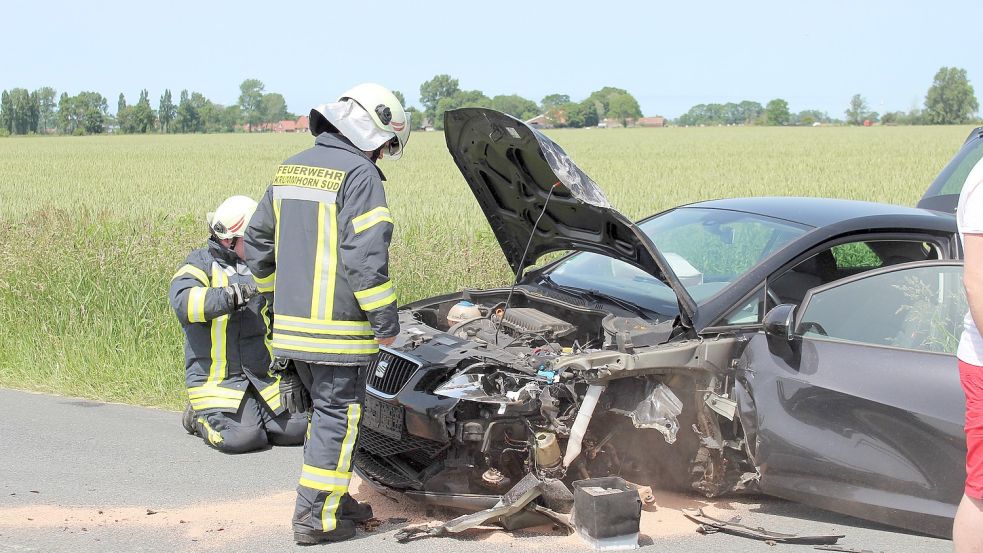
949, 101
443, 92
24, 112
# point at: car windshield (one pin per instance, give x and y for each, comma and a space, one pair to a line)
706, 248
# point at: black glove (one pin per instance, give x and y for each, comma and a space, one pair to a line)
241, 294
293, 394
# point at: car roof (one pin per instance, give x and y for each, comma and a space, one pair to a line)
822, 212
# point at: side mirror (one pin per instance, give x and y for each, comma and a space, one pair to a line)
778, 330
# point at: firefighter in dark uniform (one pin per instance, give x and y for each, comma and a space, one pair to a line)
319, 244
235, 404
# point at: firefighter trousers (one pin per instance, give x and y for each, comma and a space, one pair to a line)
336, 393
252, 427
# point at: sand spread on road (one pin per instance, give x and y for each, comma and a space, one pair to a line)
222, 523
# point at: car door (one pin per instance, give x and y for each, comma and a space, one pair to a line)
861, 410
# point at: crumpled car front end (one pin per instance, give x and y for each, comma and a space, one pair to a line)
457, 411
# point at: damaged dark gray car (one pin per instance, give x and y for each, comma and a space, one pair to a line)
797, 346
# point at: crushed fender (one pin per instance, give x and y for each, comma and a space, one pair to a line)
710, 525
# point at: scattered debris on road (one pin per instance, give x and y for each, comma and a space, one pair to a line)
710, 525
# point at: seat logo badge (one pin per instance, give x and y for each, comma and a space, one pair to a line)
380, 369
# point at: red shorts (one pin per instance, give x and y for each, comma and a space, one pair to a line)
971, 377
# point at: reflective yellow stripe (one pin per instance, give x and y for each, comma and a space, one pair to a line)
188, 269
265, 313
271, 394
331, 503
370, 218
337, 332
335, 481
376, 297
276, 232
324, 345
345, 458
354, 343
390, 298
205, 404
265, 284
213, 391
326, 323
220, 362
340, 474
332, 261
196, 304
318, 262
271, 390
214, 437
362, 294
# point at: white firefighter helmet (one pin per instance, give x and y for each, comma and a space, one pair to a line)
231, 217
370, 116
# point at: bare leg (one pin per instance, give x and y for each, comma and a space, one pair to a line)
967, 530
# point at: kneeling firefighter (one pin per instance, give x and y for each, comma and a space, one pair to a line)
320, 242
234, 402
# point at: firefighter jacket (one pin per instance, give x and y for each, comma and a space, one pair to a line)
224, 350
319, 243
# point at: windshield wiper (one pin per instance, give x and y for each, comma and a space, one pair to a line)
597, 295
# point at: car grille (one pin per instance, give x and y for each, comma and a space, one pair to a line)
395, 463
380, 444
377, 469
388, 373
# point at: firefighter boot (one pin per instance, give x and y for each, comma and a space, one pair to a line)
353, 510
344, 530
188, 420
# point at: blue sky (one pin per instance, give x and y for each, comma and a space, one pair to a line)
670, 55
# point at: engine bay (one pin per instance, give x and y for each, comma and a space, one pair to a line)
487, 393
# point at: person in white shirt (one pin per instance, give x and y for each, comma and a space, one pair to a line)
967, 530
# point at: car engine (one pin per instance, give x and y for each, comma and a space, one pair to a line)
473, 395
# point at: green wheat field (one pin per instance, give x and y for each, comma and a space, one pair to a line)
92, 228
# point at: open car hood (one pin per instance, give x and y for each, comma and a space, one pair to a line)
511, 168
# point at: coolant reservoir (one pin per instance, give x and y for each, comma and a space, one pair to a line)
462, 311
547, 450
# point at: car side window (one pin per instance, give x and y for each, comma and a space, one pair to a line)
845, 260
919, 308
748, 312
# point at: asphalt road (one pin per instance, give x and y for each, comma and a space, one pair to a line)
84, 476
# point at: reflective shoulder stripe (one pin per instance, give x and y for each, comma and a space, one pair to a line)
372, 217
188, 269
376, 297
196, 304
